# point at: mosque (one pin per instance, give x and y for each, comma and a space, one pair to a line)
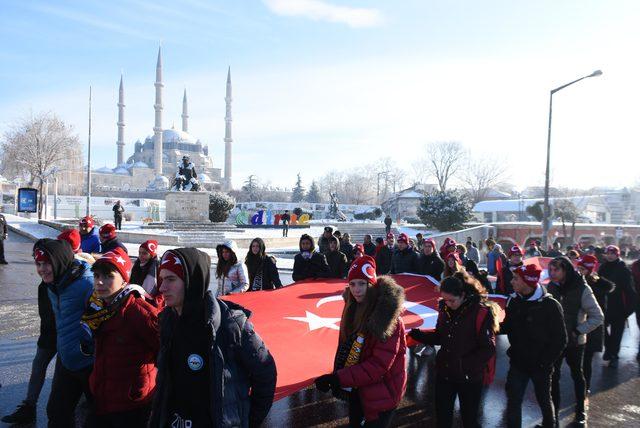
153, 164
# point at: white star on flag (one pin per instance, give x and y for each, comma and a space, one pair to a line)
315, 322
120, 260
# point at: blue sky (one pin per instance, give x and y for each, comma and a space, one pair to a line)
321, 84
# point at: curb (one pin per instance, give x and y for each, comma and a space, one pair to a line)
22, 233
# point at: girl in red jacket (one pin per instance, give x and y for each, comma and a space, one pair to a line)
465, 331
369, 368
124, 321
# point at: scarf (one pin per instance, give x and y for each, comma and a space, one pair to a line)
98, 311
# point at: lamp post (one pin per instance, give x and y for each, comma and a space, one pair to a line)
546, 209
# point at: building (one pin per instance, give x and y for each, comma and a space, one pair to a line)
405, 203
154, 162
593, 209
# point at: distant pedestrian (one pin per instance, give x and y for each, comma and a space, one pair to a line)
118, 209
4, 234
387, 224
336, 260
404, 259
89, 236
231, 273
261, 267
504, 276
323, 241
384, 256
533, 250
369, 366
419, 242
285, 219
472, 252
347, 247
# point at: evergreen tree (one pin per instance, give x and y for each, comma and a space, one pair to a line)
446, 211
298, 191
313, 195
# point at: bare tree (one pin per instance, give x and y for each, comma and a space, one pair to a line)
33, 146
480, 174
444, 160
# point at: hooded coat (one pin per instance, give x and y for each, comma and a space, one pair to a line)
431, 265
312, 267
90, 242
601, 287
380, 376
622, 300
145, 276
68, 294
237, 372
383, 260
265, 264
582, 314
237, 279
404, 261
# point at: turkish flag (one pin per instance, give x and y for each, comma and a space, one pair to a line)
300, 323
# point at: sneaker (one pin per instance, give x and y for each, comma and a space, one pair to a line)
4, 262
606, 356
613, 363
25, 413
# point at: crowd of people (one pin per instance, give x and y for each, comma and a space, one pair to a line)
149, 344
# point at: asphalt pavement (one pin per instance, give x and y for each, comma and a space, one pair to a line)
615, 399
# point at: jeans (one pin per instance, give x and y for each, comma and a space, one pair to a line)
356, 415
2, 259
285, 230
573, 355
517, 381
612, 340
66, 389
38, 373
587, 362
117, 220
468, 393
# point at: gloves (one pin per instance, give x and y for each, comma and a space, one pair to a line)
327, 382
417, 335
87, 346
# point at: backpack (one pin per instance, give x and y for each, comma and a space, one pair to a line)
490, 369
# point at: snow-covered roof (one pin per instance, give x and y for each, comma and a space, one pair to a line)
120, 170
515, 205
140, 164
104, 170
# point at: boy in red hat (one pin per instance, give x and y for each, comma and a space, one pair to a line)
123, 320
404, 259
109, 239
89, 237
429, 261
534, 324
503, 282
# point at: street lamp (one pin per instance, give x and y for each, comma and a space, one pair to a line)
546, 210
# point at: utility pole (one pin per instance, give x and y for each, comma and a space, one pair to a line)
89, 161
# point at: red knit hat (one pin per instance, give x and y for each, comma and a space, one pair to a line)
515, 250
87, 221
72, 236
612, 249
119, 259
171, 262
454, 255
391, 236
449, 242
530, 274
403, 238
588, 262
358, 247
151, 246
363, 268
40, 255
431, 242
107, 232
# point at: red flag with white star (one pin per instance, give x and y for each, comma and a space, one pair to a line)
300, 323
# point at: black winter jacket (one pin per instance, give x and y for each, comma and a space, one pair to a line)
601, 289
431, 265
347, 249
404, 261
536, 331
369, 249
270, 275
622, 300
338, 264
47, 337
314, 267
383, 260
241, 371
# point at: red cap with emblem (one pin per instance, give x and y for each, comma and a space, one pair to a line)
363, 268
529, 274
171, 261
72, 236
403, 238
151, 246
358, 248
515, 250
118, 259
107, 232
87, 221
40, 256
588, 262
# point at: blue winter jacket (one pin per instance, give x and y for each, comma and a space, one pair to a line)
69, 297
90, 243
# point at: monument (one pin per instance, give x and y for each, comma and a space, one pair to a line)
187, 207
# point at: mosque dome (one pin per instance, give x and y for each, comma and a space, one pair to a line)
174, 136
121, 170
140, 164
104, 170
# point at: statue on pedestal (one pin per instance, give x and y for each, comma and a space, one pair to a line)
186, 177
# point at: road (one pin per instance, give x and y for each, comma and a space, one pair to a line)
615, 400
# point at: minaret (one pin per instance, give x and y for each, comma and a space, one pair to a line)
120, 142
227, 135
157, 128
185, 113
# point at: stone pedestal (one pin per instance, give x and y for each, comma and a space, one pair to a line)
187, 206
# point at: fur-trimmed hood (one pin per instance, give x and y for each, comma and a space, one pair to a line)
388, 307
